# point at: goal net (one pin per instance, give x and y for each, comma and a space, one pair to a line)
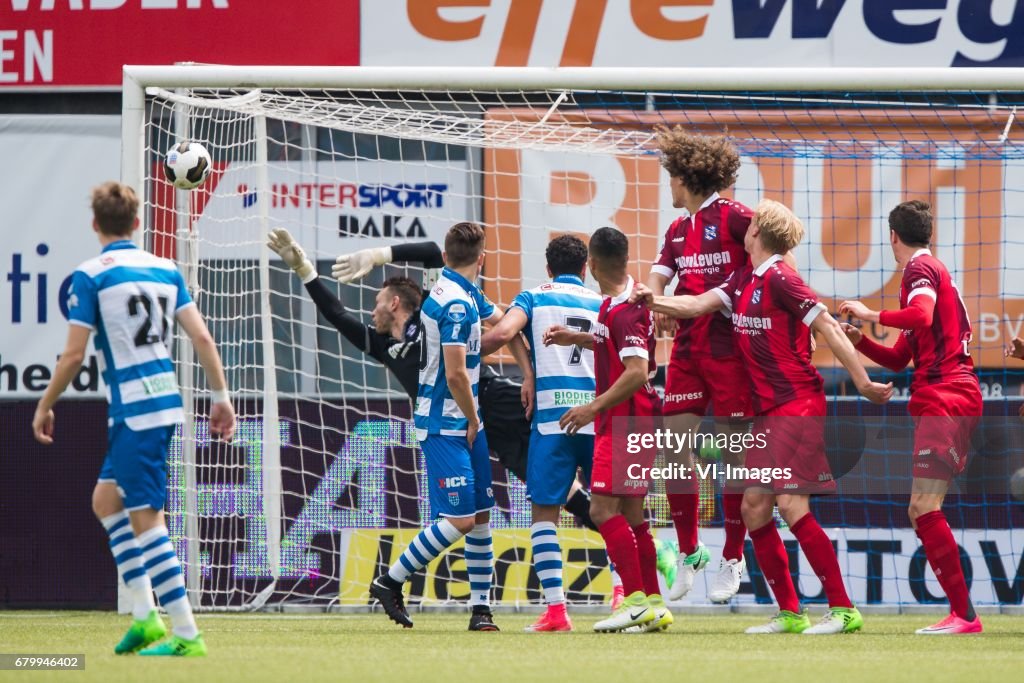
324, 484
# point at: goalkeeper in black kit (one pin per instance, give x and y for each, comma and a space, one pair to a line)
394, 341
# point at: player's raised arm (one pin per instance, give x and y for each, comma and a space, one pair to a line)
222, 413
281, 242
351, 267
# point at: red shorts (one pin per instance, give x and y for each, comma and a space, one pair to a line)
944, 415
691, 383
616, 472
791, 436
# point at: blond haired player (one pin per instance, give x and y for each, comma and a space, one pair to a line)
130, 299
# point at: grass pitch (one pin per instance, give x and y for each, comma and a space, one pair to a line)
284, 648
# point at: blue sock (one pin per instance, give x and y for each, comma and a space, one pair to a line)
547, 561
480, 564
128, 557
430, 543
168, 582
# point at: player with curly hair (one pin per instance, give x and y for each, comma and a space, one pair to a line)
702, 248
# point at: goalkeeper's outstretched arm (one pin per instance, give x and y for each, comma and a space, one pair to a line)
351, 267
330, 307
334, 312
426, 253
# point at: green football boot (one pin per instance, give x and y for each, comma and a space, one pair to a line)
784, 622
668, 555
634, 611
142, 633
686, 571
178, 647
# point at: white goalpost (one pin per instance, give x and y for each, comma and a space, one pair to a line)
323, 484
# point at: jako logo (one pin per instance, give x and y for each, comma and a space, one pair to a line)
897, 23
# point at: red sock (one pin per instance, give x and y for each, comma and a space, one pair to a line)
822, 557
735, 529
621, 545
684, 507
648, 556
944, 557
774, 564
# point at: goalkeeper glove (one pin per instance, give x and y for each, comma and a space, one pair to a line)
349, 267
281, 242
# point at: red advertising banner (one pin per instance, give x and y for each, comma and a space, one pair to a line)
84, 43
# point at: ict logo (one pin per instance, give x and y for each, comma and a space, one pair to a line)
451, 482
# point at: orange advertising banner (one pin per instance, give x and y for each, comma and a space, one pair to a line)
841, 170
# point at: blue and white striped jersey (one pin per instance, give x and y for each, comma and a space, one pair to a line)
128, 297
565, 374
450, 316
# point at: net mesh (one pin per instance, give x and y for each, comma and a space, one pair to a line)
347, 170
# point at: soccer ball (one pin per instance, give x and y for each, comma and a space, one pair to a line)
187, 165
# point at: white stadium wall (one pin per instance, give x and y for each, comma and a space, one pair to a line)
47, 231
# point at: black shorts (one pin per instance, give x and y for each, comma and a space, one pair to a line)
508, 430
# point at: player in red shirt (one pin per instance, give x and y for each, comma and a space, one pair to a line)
772, 310
701, 250
945, 400
626, 403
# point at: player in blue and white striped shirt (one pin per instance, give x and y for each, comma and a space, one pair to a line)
449, 429
129, 298
564, 378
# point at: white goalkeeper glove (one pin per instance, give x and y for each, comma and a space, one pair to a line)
349, 267
281, 242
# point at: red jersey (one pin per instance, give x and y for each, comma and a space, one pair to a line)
624, 330
771, 310
940, 352
703, 250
